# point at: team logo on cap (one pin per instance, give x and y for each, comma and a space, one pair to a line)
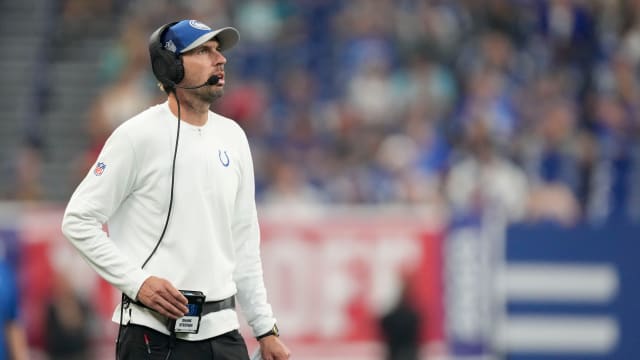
99, 169
198, 25
169, 45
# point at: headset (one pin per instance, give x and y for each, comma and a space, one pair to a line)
166, 65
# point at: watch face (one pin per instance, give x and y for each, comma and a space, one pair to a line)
275, 330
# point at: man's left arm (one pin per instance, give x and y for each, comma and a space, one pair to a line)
247, 275
252, 294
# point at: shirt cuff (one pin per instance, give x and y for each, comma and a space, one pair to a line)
132, 288
263, 326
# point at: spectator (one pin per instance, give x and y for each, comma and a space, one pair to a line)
485, 180
28, 172
401, 329
67, 323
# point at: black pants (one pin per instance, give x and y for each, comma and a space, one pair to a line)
228, 346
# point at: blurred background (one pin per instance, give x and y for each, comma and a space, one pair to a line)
436, 179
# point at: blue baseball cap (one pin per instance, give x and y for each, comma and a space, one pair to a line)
186, 35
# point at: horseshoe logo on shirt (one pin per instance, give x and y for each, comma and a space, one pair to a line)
224, 161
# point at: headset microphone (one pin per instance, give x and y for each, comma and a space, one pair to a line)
213, 80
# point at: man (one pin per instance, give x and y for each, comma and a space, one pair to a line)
181, 213
401, 328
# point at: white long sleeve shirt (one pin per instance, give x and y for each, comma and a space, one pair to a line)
212, 240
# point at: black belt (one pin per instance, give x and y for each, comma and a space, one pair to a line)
213, 306
207, 308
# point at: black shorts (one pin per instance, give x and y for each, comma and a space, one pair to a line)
228, 346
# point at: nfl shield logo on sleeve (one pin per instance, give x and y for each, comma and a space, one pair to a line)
99, 169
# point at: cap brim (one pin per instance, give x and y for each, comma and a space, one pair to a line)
227, 37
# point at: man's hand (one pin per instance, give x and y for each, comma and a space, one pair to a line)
273, 349
161, 296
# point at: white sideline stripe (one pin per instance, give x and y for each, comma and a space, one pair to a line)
564, 282
559, 334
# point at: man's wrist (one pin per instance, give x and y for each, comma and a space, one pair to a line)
274, 331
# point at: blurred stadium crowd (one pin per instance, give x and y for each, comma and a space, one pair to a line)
532, 106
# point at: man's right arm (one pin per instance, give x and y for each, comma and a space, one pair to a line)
97, 197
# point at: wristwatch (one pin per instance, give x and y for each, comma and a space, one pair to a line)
274, 331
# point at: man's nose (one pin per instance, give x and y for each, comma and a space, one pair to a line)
219, 59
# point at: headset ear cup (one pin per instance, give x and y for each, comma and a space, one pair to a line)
166, 66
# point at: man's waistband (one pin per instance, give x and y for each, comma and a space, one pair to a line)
207, 308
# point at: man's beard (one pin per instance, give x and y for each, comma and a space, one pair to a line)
208, 94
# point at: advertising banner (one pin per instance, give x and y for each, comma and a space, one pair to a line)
571, 292
473, 259
330, 278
